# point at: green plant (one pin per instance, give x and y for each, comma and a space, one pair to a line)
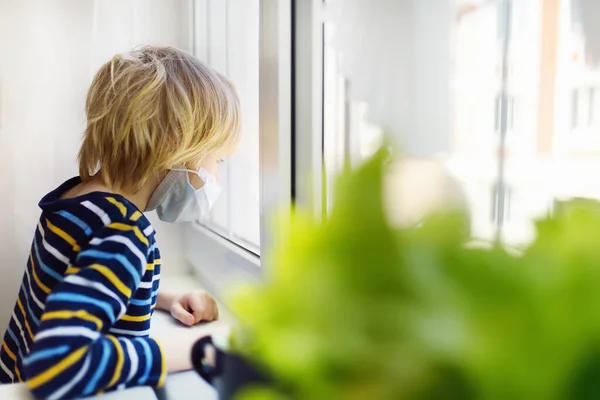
356, 309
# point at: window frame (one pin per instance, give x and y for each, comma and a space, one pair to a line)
501, 208
506, 102
218, 261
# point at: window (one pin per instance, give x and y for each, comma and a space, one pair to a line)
561, 99
348, 137
250, 42
229, 42
542, 90
310, 103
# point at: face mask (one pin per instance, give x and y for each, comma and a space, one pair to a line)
176, 200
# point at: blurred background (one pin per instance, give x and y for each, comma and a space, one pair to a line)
494, 103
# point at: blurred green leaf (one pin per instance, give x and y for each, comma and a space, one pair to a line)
357, 309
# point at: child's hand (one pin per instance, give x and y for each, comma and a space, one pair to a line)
194, 307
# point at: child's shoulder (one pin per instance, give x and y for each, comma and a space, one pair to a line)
93, 212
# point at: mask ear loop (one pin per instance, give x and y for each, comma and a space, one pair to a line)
191, 171
183, 170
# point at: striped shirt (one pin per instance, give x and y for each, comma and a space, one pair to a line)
82, 318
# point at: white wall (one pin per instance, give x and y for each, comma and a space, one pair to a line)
49, 50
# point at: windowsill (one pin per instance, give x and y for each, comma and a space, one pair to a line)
20, 392
182, 384
220, 265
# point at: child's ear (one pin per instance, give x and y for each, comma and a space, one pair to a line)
195, 180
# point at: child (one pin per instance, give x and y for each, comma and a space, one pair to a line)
158, 121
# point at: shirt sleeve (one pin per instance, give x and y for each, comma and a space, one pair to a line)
73, 354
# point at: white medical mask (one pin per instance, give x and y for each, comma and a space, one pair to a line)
176, 200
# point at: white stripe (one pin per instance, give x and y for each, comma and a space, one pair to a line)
67, 331
149, 230
66, 388
128, 332
98, 211
80, 281
5, 369
145, 285
57, 254
133, 359
20, 330
33, 296
123, 240
148, 285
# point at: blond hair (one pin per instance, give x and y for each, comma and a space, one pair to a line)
153, 109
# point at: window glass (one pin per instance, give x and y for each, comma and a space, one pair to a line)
457, 104
562, 154
348, 136
523, 110
231, 45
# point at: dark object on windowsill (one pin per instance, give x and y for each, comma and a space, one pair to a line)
230, 373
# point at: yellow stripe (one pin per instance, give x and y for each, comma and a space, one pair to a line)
56, 369
135, 216
163, 363
124, 227
9, 352
12, 357
45, 288
81, 314
150, 266
25, 318
137, 318
18, 373
66, 237
120, 361
119, 205
72, 270
114, 279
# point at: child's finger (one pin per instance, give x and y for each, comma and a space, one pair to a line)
182, 315
198, 307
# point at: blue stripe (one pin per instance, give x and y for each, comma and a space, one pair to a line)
151, 249
80, 298
35, 319
145, 302
84, 227
149, 362
45, 354
133, 271
44, 267
12, 335
138, 302
14, 338
101, 369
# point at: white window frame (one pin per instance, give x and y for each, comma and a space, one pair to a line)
219, 262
